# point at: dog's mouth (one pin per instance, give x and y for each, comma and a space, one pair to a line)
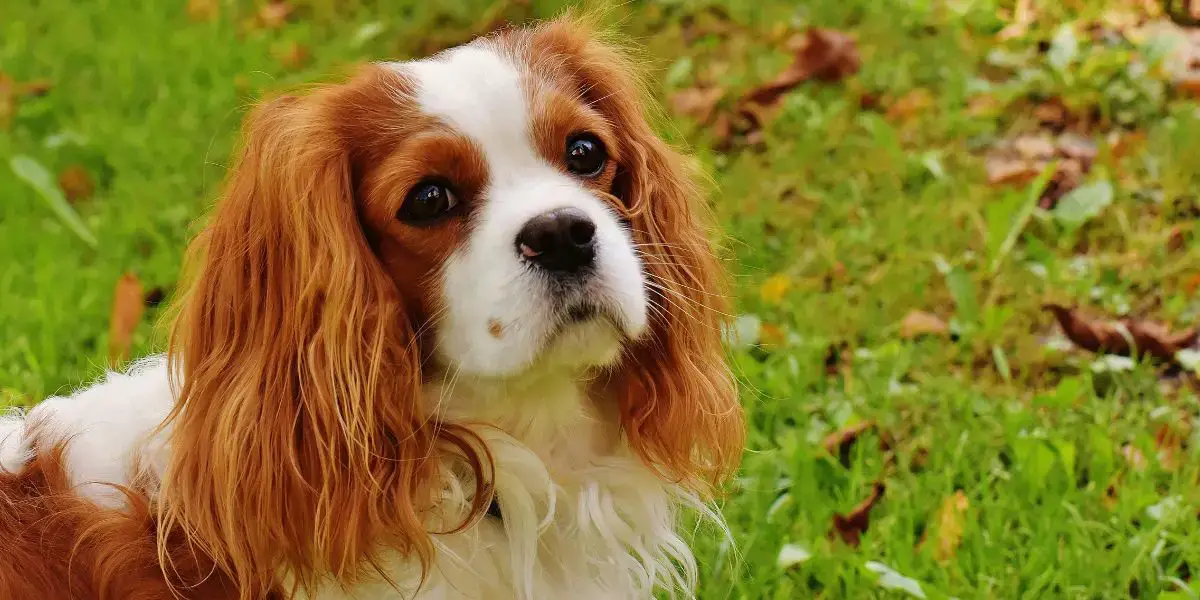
586, 312
580, 313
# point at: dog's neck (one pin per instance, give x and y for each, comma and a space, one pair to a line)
559, 414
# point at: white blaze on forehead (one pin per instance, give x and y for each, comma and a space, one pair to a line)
478, 91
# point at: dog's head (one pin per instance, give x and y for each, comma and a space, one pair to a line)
499, 209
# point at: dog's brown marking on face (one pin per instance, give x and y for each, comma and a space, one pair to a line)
496, 329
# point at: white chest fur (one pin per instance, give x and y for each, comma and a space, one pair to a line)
582, 517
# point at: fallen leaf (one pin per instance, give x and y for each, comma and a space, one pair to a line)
1030, 147
919, 323
851, 526
37, 87
1192, 284
76, 183
696, 103
1078, 147
203, 10
834, 355
712, 20
1023, 17
274, 15
774, 288
1177, 238
1126, 144
1169, 441
1122, 337
11, 91
948, 526
1052, 113
983, 105
771, 335
1005, 170
839, 442
1066, 179
823, 54
292, 55
909, 105
128, 306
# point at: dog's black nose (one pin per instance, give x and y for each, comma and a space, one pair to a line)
562, 241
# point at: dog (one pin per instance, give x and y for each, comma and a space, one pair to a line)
452, 330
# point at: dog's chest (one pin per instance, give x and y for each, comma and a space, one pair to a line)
580, 516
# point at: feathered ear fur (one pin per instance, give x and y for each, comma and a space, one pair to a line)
678, 400
298, 441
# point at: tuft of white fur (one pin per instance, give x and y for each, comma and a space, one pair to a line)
105, 426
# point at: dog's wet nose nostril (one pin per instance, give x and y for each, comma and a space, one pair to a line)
561, 241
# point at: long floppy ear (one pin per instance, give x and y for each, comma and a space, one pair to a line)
298, 441
678, 399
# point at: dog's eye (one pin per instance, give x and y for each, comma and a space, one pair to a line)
427, 202
585, 155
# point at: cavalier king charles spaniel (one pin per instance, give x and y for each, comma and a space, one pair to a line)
453, 330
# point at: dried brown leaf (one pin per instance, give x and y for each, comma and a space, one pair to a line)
697, 103
11, 91
840, 441
909, 105
1125, 337
1067, 176
1177, 238
823, 54
1169, 442
128, 306
851, 526
948, 526
919, 323
203, 10
1078, 147
76, 183
1189, 86
983, 105
1023, 17
771, 336
1122, 145
37, 87
1052, 113
274, 15
1008, 170
1191, 285
712, 20
292, 55
1033, 147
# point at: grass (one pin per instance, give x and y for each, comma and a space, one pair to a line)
842, 221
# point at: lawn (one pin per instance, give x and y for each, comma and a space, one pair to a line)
986, 159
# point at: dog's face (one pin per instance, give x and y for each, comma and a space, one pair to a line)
503, 190
501, 208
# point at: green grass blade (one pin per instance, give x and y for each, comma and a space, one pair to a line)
33, 173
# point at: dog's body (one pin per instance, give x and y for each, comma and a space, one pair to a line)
452, 335
571, 504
